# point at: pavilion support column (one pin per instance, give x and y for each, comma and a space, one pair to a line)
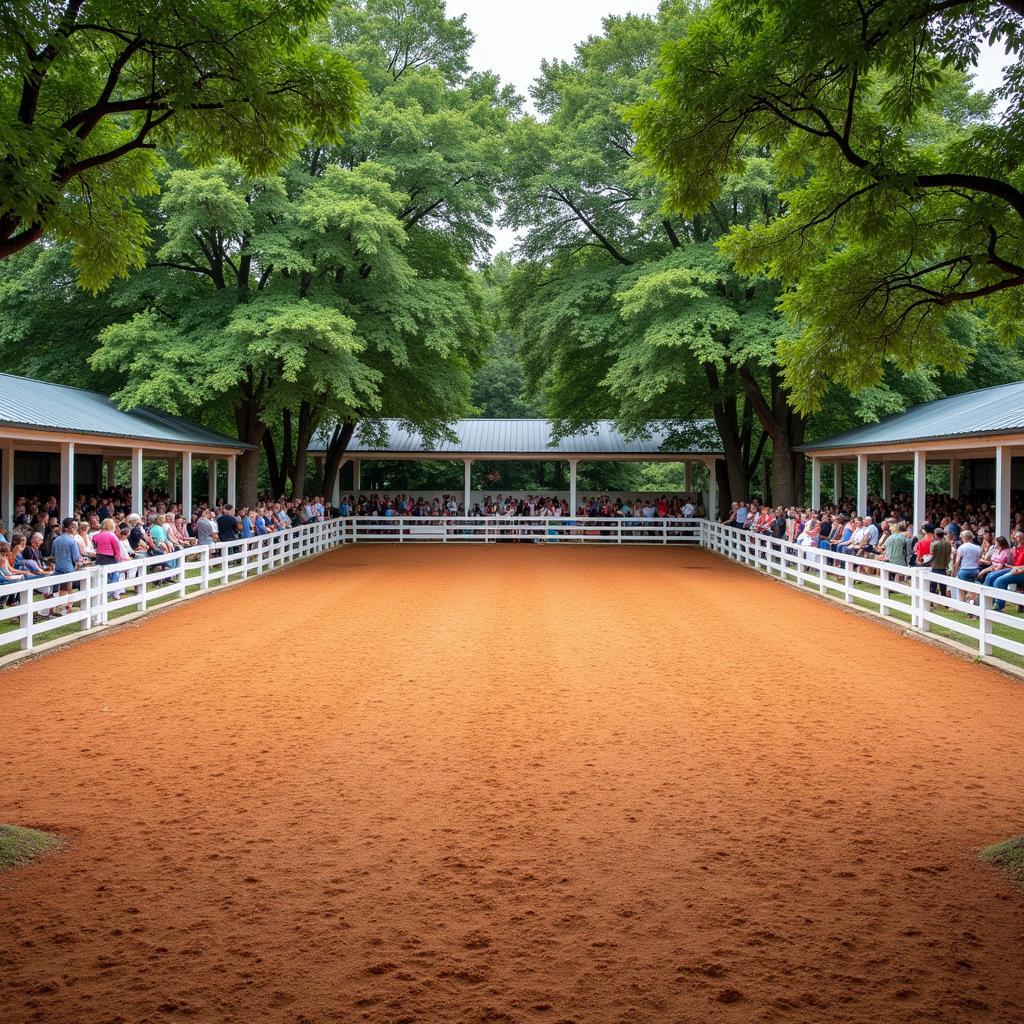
815, 484
212, 474
232, 480
688, 477
887, 481
862, 485
7, 488
467, 485
186, 486
172, 479
954, 478
357, 476
712, 510
1004, 463
573, 463
67, 479
111, 465
920, 485
837, 481
137, 481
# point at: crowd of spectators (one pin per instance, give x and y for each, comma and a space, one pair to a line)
542, 506
40, 544
957, 540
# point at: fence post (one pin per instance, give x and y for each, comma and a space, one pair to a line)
847, 581
27, 621
204, 567
984, 624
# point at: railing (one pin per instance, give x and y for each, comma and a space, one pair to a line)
963, 617
528, 529
103, 594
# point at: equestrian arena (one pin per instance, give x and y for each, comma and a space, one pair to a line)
511, 783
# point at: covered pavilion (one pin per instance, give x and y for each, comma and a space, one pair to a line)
978, 435
60, 440
532, 440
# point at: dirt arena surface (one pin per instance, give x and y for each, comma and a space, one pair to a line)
513, 784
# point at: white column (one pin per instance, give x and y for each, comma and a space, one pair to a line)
712, 510
357, 476
688, 477
67, 479
111, 474
212, 473
467, 485
815, 483
172, 479
1004, 464
186, 485
887, 481
837, 481
336, 488
920, 485
232, 480
862, 485
573, 463
137, 481
954, 478
7, 488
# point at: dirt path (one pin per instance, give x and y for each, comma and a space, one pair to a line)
520, 784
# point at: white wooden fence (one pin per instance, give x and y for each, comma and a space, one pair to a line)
964, 617
506, 529
103, 595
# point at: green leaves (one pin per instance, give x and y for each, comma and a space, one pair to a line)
92, 89
901, 196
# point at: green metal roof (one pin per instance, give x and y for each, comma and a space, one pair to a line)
35, 405
998, 410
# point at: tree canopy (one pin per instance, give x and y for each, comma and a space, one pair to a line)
902, 202
92, 88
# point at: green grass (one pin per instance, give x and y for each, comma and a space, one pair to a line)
18, 846
1008, 855
861, 600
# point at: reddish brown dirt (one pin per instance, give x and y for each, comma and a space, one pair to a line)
518, 784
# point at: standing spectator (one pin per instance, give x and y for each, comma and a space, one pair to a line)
65, 554
227, 524
967, 564
941, 552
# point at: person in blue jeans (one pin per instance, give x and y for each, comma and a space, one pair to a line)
967, 564
1013, 576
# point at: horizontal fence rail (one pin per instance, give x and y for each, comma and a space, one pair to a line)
960, 613
101, 595
526, 529
963, 616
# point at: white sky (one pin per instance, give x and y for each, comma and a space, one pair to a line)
513, 38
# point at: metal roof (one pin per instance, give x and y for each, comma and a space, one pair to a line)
36, 405
997, 410
530, 437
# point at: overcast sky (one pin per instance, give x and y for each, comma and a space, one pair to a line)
513, 38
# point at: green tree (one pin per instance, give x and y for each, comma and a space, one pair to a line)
499, 385
628, 313
903, 206
91, 88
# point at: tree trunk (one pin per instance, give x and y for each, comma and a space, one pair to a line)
276, 483
250, 429
303, 435
341, 436
723, 410
786, 427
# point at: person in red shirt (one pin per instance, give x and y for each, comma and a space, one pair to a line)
923, 548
